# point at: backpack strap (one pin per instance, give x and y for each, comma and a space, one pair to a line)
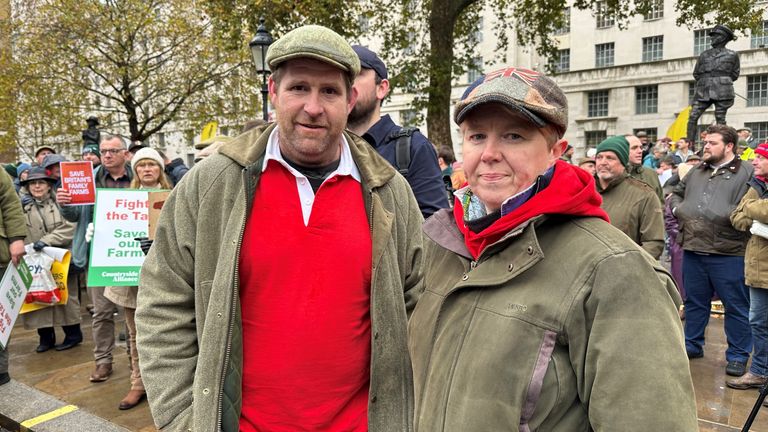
402, 148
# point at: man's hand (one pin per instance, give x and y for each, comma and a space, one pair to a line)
39, 245
63, 197
17, 251
89, 233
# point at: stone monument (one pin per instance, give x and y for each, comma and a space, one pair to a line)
91, 136
716, 70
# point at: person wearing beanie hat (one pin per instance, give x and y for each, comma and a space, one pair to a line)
618, 145
91, 153
625, 199
406, 149
22, 168
751, 215
148, 173
283, 201
525, 257
148, 170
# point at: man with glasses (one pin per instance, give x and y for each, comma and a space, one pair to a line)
114, 172
713, 250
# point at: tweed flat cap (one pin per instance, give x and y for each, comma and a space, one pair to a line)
531, 93
315, 42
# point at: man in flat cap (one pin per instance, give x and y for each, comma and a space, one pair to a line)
716, 70
284, 267
406, 149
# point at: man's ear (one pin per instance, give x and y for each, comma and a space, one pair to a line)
352, 99
382, 90
272, 85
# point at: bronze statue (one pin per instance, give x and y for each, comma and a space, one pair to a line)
716, 70
91, 136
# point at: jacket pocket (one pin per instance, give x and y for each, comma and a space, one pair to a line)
182, 422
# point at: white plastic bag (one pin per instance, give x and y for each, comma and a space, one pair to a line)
759, 229
43, 289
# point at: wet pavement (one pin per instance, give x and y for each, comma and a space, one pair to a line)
64, 376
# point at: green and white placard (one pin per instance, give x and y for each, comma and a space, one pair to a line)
120, 216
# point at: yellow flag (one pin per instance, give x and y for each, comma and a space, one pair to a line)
209, 131
679, 128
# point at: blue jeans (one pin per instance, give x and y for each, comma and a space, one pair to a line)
758, 320
723, 274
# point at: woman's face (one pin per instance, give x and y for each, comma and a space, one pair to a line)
39, 188
148, 172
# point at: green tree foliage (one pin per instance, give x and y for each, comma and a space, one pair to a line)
136, 64
427, 43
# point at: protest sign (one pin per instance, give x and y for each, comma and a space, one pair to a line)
156, 201
77, 178
13, 289
59, 271
120, 216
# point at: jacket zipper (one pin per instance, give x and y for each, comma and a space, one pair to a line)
235, 294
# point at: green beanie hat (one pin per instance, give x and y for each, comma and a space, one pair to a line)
617, 144
10, 169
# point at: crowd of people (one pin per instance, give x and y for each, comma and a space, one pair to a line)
336, 271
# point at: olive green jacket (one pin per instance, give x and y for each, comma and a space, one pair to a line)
562, 325
649, 177
188, 316
633, 208
12, 224
754, 207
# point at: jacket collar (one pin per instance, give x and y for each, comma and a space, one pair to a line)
733, 166
615, 182
760, 187
441, 228
249, 148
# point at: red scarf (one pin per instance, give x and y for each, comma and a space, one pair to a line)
570, 192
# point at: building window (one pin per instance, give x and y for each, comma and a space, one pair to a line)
161, 140
475, 70
603, 18
701, 41
760, 37
562, 63
566, 27
647, 99
593, 138
653, 48
604, 55
651, 133
477, 35
656, 11
597, 103
759, 130
363, 23
757, 90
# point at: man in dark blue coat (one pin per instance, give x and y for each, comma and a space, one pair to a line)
422, 171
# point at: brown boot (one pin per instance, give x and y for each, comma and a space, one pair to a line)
133, 398
746, 381
102, 372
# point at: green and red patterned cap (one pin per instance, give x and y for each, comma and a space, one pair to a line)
531, 93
